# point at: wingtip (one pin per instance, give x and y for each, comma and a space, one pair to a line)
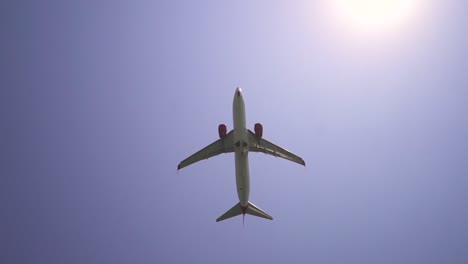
178, 167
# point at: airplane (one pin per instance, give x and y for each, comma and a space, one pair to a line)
241, 141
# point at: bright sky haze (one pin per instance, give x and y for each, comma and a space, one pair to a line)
101, 100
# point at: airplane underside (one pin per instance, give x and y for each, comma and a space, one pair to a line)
241, 141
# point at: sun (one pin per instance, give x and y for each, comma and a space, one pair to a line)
374, 14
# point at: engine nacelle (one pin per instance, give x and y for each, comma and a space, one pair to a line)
258, 130
222, 130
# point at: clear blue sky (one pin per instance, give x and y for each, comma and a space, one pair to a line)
100, 100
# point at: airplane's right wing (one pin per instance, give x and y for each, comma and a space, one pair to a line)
222, 145
258, 144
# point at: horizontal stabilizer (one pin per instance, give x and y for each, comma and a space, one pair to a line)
251, 209
234, 211
254, 210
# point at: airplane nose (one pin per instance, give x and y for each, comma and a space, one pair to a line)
238, 91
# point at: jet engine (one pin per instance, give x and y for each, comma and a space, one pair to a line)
222, 130
258, 130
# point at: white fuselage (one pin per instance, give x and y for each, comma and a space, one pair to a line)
241, 147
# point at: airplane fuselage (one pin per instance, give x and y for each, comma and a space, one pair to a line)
241, 141
241, 146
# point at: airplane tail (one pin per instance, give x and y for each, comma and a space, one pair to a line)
250, 209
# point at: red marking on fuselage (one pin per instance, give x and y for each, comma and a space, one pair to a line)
244, 211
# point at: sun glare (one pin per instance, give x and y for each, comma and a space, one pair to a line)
374, 14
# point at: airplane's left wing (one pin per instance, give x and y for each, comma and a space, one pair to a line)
222, 145
258, 144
